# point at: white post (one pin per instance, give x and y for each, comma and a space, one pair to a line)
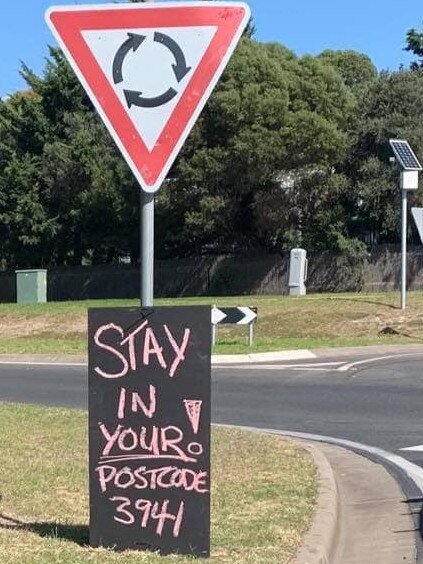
250, 334
214, 329
404, 250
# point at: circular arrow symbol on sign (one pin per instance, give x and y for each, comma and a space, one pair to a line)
180, 69
134, 98
133, 42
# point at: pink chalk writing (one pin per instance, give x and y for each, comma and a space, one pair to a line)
130, 339
179, 350
140, 347
195, 449
152, 347
126, 517
154, 442
112, 350
137, 403
148, 472
193, 409
148, 511
164, 477
123, 458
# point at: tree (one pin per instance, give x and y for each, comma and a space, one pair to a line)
25, 225
356, 69
415, 45
58, 164
271, 112
393, 108
276, 159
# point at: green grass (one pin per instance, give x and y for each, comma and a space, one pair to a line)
45, 343
318, 320
263, 494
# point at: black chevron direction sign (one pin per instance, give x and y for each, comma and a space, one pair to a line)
233, 315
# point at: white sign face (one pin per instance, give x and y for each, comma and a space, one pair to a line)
149, 70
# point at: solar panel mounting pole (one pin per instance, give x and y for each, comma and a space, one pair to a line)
404, 250
146, 245
411, 167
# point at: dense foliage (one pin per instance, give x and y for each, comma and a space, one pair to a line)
288, 151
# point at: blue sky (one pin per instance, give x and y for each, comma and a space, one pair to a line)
374, 27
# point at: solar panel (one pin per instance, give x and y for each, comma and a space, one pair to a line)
404, 154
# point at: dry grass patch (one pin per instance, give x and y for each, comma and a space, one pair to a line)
283, 322
263, 494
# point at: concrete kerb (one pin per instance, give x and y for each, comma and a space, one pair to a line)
319, 544
327, 353
372, 524
276, 356
279, 356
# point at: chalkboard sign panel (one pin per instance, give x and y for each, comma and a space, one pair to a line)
149, 428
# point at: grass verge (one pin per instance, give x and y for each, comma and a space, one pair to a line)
318, 320
263, 494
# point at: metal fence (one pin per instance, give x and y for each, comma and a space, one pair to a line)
226, 275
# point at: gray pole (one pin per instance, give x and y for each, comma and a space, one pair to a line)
147, 248
147, 245
404, 249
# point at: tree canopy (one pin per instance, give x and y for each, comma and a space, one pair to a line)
288, 151
415, 45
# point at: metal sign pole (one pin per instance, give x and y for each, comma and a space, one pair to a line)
99, 62
147, 248
404, 250
147, 245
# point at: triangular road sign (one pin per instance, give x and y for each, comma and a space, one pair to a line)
149, 70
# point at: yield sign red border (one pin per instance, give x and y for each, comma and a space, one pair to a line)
68, 22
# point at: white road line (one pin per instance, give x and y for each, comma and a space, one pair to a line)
306, 369
348, 366
29, 363
310, 366
417, 448
414, 472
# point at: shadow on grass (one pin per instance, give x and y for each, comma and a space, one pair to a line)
359, 301
79, 534
391, 331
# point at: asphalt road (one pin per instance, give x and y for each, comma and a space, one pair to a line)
378, 404
374, 402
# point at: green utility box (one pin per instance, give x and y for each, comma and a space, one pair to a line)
31, 286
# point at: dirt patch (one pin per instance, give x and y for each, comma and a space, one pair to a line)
22, 326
